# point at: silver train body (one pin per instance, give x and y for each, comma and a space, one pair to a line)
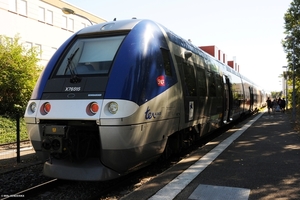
116, 96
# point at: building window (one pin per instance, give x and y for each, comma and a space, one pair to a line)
41, 14
64, 23
38, 48
22, 7
27, 45
49, 17
83, 25
53, 50
6, 40
71, 24
12, 5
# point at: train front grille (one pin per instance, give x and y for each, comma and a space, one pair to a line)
72, 140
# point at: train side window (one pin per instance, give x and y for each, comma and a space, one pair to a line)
167, 62
187, 76
201, 80
189, 79
219, 85
211, 84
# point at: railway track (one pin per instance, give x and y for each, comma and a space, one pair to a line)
12, 147
33, 191
13, 143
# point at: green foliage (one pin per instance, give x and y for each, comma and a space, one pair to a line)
8, 133
291, 45
19, 73
277, 94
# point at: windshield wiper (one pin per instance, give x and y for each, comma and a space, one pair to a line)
70, 67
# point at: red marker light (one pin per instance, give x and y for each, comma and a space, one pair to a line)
94, 107
46, 107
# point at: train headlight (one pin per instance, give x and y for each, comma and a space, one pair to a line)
113, 107
32, 107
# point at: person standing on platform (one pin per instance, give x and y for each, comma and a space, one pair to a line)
282, 105
269, 104
274, 105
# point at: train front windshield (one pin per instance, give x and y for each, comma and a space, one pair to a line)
90, 56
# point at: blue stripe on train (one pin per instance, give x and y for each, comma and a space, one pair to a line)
139, 64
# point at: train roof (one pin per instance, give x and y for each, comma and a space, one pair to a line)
121, 25
129, 24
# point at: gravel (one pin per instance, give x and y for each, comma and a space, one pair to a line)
16, 177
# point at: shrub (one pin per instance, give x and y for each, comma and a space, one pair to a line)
8, 131
19, 73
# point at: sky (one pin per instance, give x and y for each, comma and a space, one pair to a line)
249, 31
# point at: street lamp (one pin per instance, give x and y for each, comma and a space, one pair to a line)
69, 11
288, 37
285, 76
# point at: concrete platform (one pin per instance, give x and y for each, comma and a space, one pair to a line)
259, 159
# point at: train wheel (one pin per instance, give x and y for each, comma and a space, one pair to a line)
167, 152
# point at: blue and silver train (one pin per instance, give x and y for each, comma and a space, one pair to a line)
118, 95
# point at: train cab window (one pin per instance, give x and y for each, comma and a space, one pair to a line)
90, 56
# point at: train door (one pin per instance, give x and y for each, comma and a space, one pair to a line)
227, 100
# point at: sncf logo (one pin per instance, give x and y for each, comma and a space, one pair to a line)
160, 80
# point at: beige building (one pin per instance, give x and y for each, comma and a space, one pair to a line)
41, 23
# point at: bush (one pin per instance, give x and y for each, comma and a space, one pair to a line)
8, 133
19, 73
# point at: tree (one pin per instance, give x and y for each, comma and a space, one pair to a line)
291, 44
276, 94
19, 73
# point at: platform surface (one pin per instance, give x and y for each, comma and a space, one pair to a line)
258, 159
